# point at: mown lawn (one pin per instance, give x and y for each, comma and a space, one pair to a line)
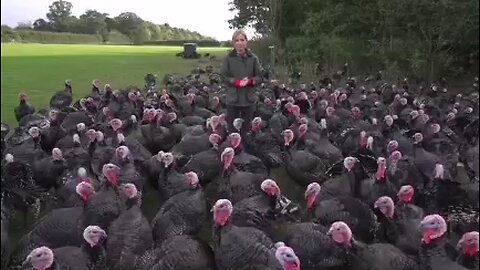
41, 69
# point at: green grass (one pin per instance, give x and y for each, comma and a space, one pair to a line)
41, 69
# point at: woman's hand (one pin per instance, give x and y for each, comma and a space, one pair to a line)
244, 82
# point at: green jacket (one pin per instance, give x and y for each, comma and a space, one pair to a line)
236, 68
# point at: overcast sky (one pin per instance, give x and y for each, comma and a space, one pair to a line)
208, 17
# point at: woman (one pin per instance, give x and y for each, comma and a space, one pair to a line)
241, 71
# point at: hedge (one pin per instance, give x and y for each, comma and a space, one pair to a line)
115, 37
200, 43
30, 36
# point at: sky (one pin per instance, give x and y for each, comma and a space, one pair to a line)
207, 17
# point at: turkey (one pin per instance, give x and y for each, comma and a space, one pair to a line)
352, 211
56, 229
266, 210
47, 171
170, 181
259, 142
19, 190
106, 204
301, 165
238, 248
236, 185
130, 235
243, 160
374, 256
377, 185
313, 247
24, 108
435, 251
62, 99
468, 248
182, 214
27, 149
396, 230
181, 252
90, 255
206, 164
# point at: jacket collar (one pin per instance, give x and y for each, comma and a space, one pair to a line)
234, 53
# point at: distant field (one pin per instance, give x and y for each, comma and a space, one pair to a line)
41, 69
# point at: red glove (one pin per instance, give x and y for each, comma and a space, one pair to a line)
237, 83
251, 82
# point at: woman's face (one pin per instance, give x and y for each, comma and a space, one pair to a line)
240, 43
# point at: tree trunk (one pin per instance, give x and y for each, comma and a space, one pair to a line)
431, 64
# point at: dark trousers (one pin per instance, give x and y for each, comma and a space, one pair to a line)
244, 112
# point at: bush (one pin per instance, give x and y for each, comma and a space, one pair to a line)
200, 43
30, 36
9, 35
116, 37
260, 47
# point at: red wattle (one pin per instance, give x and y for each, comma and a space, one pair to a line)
380, 173
363, 141
311, 202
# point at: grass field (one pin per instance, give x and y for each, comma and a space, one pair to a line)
40, 69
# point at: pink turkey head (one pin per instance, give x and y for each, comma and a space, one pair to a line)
288, 136
40, 258
129, 190
85, 190
340, 233
385, 205
256, 124
405, 194
227, 157
116, 124
214, 139
192, 179
432, 227
111, 171
222, 210
235, 140
94, 235
468, 244
286, 257
271, 188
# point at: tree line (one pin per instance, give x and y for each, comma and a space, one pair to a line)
428, 38
138, 31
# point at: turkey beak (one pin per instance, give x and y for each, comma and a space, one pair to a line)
329, 232
426, 226
104, 235
460, 244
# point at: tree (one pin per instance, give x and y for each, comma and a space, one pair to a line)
6, 27
253, 13
24, 25
111, 24
139, 34
131, 25
41, 25
93, 21
59, 15
155, 31
275, 20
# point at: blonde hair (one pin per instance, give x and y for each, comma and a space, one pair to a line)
237, 33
